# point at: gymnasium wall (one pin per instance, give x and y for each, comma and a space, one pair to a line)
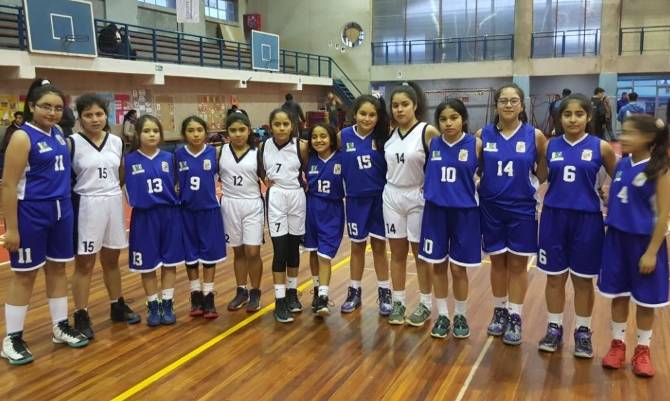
637, 13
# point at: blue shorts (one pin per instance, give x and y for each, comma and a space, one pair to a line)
45, 233
452, 233
505, 231
570, 240
365, 217
324, 226
156, 238
204, 236
620, 273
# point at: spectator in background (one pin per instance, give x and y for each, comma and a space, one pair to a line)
333, 105
622, 101
129, 120
602, 115
295, 112
555, 105
67, 122
633, 107
16, 124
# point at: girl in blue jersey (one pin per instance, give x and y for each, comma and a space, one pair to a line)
39, 219
571, 225
201, 217
324, 224
364, 173
155, 223
450, 231
512, 168
635, 254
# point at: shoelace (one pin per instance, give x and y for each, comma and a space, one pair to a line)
67, 330
459, 322
18, 344
642, 356
351, 293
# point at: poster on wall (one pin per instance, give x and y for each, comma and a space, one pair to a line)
212, 109
142, 101
164, 106
122, 105
8, 106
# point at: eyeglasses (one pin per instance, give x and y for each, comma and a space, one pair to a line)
49, 108
514, 101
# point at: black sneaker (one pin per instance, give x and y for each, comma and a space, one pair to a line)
315, 299
15, 349
196, 304
121, 312
322, 308
209, 306
254, 304
282, 314
241, 299
292, 302
82, 322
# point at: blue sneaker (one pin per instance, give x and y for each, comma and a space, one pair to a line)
498, 322
583, 345
553, 340
153, 313
512, 334
384, 301
353, 300
167, 313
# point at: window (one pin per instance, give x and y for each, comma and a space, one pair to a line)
221, 9
161, 3
568, 26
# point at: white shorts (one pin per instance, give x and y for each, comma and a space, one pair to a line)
243, 221
100, 223
403, 210
286, 211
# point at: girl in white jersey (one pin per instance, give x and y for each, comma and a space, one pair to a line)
98, 205
242, 209
405, 154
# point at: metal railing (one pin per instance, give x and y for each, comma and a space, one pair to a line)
444, 50
577, 42
644, 39
13, 28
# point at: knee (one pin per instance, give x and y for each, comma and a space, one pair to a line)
459, 273
556, 282
582, 283
25, 278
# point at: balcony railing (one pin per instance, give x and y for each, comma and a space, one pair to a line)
570, 43
644, 40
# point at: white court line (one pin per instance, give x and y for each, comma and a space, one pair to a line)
474, 368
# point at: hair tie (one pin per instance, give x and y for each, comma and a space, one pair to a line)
45, 82
405, 84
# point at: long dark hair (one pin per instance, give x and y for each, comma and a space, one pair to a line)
276, 111
415, 93
458, 106
523, 117
36, 91
238, 117
126, 116
187, 120
380, 133
583, 102
332, 135
138, 129
88, 100
653, 127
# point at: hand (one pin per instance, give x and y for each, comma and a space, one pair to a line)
647, 263
12, 240
268, 183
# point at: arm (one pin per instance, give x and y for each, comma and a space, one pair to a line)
478, 134
621, 114
259, 163
648, 260
16, 160
304, 152
339, 139
609, 157
541, 169
431, 132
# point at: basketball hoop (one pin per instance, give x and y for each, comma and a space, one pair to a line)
68, 40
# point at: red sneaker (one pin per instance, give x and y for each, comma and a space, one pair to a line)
642, 362
615, 356
196, 304
209, 307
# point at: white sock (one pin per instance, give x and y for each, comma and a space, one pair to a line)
15, 317
461, 307
556, 318
292, 282
58, 309
280, 291
384, 284
619, 331
515, 308
426, 300
207, 288
583, 321
442, 308
399, 296
323, 290
244, 287
356, 284
195, 285
643, 337
500, 302
152, 297
315, 281
167, 293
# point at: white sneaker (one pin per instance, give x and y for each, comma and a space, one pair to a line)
63, 333
15, 349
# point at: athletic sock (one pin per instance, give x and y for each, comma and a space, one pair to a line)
58, 309
442, 308
280, 291
15, 317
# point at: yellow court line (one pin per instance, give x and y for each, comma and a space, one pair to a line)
209, 344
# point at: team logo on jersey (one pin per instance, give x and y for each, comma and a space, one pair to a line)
43, 147
436, 155
351, 147
463, 155
374, 145
206, 164
337, 169
137, 169
587, 155
165, 166
60, 139
555, 156
183, 166
313, 170
521, 147
491, 147
640, 179
618, 175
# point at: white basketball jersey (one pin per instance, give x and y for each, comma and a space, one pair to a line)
96, 169
405, 157
239, 177
282, 164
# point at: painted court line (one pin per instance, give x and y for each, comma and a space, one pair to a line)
209, 344
474, 368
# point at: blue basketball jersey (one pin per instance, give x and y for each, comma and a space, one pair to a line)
508, 164
47, 174
632, 201
450, 172
363, 165
150, 180
197, 178
324, 177
573, 168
